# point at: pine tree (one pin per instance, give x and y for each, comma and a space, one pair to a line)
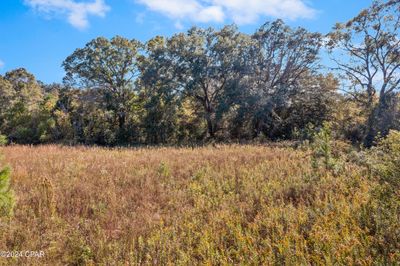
7, 199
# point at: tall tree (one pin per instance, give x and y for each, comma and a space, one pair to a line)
111, 67
161, 98
21, 98
206, 65
6, 95
312, 103
26, 89
366, 50
276, 61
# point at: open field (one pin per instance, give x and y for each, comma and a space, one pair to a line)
225, 205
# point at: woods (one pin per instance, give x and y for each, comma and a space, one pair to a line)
216, 85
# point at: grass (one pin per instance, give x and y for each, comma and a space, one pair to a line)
227, 205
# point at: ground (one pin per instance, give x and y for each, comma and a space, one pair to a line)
211, 205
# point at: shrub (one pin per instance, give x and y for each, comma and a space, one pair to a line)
323, 154
385, 159
381, 215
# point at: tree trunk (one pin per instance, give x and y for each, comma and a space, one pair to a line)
379, 121
370, 132
121, 126
210, 126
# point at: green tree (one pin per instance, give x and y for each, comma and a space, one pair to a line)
276, 61
161, 99
206, 64
313, 102
111, 67
6, 96
21, 99
26, 89
7, 200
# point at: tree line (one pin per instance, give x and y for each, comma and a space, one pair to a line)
219, 85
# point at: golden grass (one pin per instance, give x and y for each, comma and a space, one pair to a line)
227, 205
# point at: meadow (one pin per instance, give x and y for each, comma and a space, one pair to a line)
223, 205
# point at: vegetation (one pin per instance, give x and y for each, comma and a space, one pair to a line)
209, 85
221, 205
382, 213
372, 68
7, 199
271, 163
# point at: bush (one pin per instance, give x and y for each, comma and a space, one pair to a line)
385, 159
381, 215
324, 150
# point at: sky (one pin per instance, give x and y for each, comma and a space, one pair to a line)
39, 34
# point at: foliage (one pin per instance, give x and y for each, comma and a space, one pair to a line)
217, 205
3, 140
385, 159
381, 215
111, 67
322, 149
369, 44
7, 199
278, 61
216, 85
20, 109
207, 64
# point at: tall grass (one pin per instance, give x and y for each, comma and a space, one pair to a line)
225, 205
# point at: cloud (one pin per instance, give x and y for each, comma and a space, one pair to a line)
1, 64
140, 18
179, 25
240, 11
77, 13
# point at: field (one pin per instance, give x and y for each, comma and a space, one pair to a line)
214, 205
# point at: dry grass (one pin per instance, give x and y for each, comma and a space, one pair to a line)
227, 205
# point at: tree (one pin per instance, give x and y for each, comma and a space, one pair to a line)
161, 99
111, 67
7, 200
21, 100
6, 95
366, 50
276, 61
206, 64
312, 103
26, 89
81, 118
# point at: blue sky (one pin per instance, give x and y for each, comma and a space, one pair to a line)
39, 34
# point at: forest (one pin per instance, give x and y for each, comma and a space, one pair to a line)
216, 85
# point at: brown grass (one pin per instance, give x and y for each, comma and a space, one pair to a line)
226, 205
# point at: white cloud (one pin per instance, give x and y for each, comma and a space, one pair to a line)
177, 9
179, 25
216, 13
140, 18
1, 64
77, 13
240, 11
